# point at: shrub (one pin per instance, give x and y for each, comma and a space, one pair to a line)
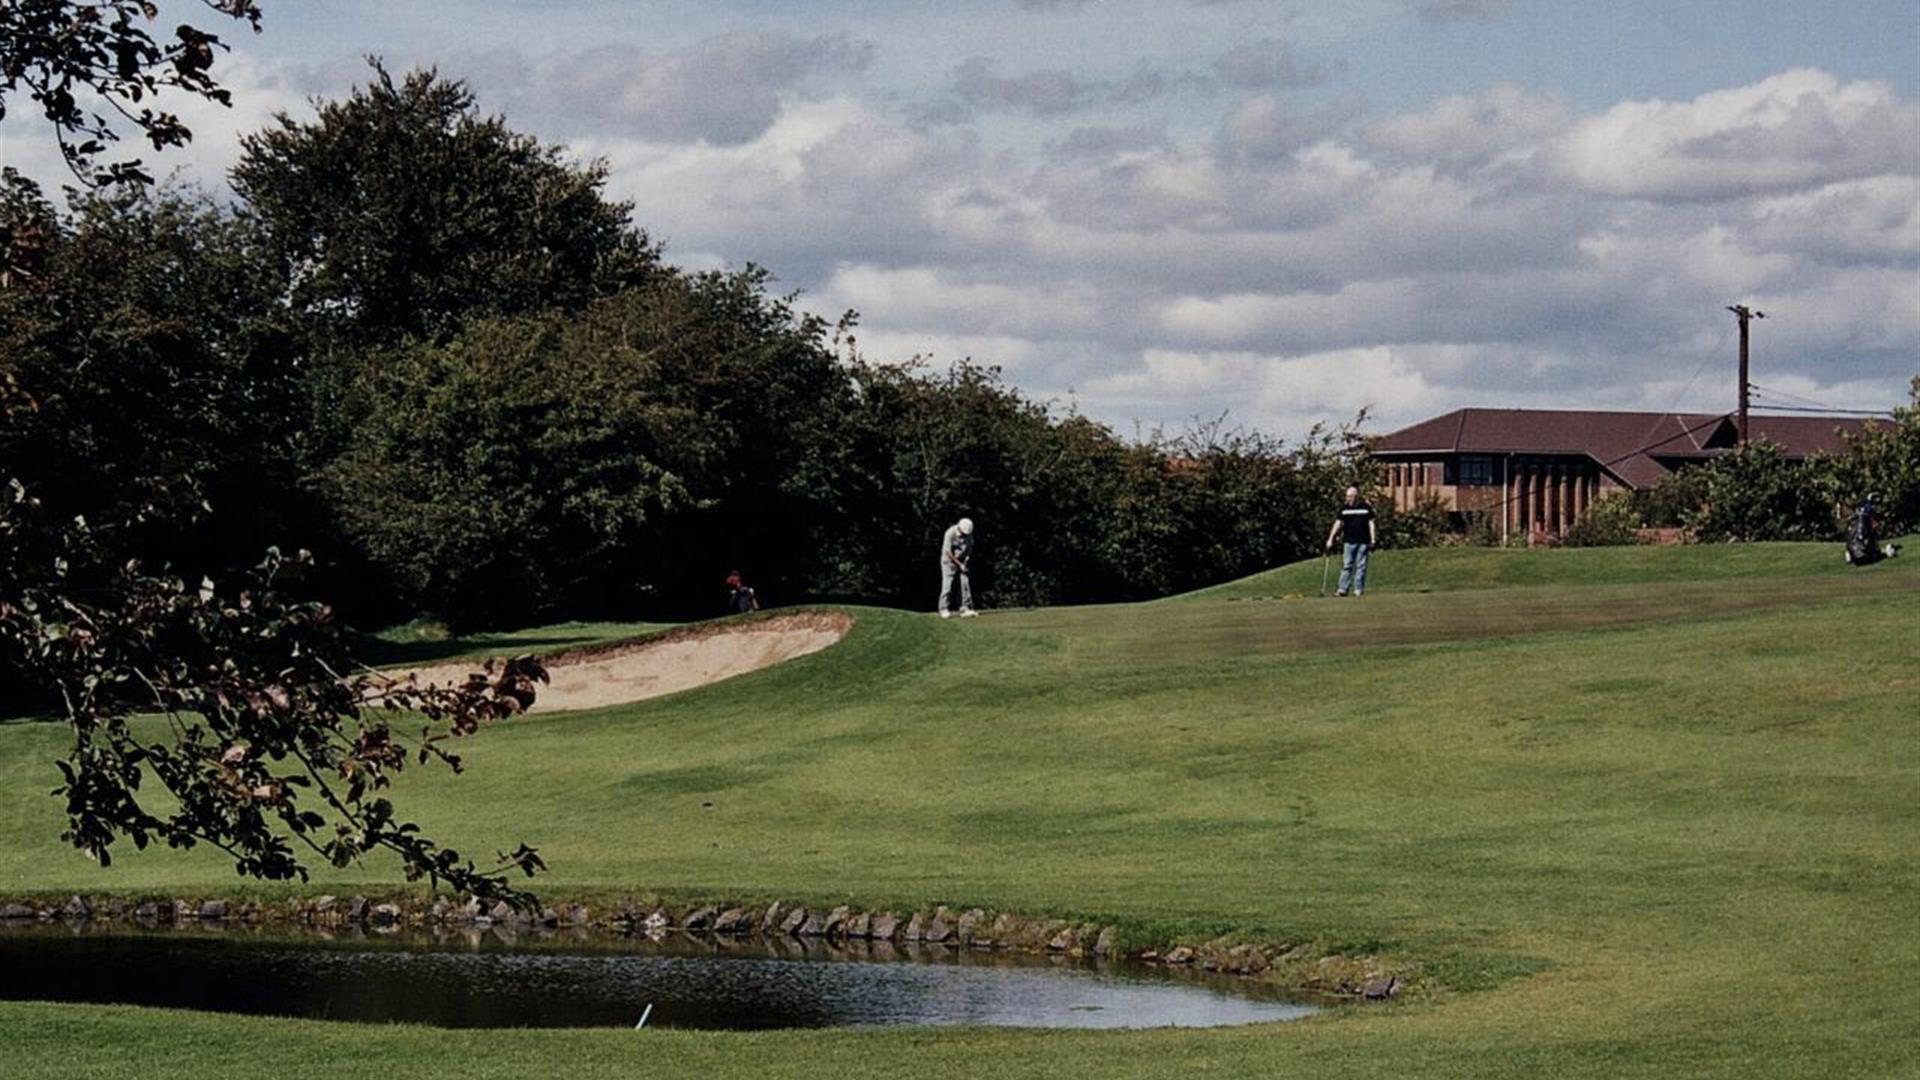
1673, 502
1755, 494
1611, 521
1426, 523
1884, 460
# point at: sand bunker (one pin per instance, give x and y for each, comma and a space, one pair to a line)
667, 663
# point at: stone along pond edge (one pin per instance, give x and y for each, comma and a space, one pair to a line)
1309, 968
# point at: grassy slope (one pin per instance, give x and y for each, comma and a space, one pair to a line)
1445, 569
1704, 815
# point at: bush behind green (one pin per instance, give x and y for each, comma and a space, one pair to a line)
1612, 520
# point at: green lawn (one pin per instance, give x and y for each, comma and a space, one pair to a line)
1443, 569
1664, 804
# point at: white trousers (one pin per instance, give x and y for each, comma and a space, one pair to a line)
948, 572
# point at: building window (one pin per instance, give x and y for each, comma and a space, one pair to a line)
1476, 471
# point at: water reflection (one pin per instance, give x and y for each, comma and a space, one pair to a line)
488, 977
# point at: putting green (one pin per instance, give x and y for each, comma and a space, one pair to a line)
1638, 821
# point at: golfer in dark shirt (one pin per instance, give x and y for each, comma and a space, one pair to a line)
1356, 531
741, 598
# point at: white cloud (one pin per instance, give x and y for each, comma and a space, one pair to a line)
1290, 393
1795, 129
1853, 319
1874, 218
927, 297
1340, 382
1267, 128
725, 90
1715, 261
1505, 125
828, 182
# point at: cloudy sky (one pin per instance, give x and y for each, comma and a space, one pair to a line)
1159, 210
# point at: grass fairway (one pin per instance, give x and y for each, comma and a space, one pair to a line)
1654, 813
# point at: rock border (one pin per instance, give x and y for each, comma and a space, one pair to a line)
1307, 967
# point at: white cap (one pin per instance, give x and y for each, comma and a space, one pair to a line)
966, 526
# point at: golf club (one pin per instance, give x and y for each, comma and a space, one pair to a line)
1324, 556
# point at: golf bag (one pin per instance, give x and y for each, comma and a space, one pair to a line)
1863, 541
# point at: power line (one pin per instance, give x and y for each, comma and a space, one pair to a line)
1790, 394
1691, 379
1824, 410
1814, 404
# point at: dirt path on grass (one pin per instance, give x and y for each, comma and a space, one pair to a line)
665, 663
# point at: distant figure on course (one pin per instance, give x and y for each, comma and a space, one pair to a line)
1863, 540
956, 548
743, 599
1356, 530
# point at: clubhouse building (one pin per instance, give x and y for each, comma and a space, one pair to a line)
1537, 470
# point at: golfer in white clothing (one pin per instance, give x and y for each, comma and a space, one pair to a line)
956, 547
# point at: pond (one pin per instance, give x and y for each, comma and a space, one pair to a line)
482, 979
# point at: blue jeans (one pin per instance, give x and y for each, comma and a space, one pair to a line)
1353, 568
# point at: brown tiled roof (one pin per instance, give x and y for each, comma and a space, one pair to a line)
1803, 436
1631, 445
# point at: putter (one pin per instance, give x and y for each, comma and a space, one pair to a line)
1324, 556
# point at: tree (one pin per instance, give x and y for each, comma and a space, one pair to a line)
91, 65
27, 226
1884, 461
1069, 512
568, 462
1755, 494
485, 475
922, 448
401, 211
144, 379
153, 345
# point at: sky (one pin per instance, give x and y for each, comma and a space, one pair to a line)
1158, 212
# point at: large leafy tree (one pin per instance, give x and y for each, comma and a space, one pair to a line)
150, 338
570, 462
401, 211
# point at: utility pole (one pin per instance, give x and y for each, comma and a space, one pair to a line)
1746, 315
